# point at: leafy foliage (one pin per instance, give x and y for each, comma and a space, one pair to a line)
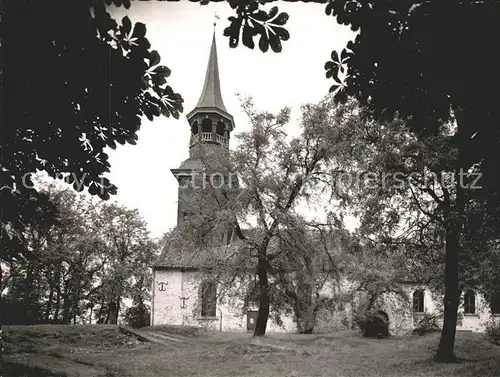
427, 324
99, 78
251, 22
138, 316
73, 271
275, 175
493, 331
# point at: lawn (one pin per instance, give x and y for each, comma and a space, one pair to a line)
95, 351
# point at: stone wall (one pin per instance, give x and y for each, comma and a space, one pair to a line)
171, 285
167, 305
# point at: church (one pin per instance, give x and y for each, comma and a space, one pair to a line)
182, 296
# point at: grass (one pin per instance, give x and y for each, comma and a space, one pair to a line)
103, 351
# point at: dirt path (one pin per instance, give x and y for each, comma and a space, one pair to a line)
153, 337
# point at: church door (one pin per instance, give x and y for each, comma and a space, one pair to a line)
251, 320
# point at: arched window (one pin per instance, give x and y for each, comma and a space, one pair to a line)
220, 128
208, 299
206, 125
418, 301
194, 128
470, 302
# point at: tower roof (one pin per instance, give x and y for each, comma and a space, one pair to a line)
211, 94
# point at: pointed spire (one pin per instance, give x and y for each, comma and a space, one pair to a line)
211, 95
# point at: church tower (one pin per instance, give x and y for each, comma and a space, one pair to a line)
210, 127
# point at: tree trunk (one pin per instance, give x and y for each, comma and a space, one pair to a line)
453, 224
67, 305
112, 313
451, 299
57, 306
48, 310
306, 323
90, 314
1, 322
101, 312
263, 313
305, 311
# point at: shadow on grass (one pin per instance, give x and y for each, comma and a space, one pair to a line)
17, 370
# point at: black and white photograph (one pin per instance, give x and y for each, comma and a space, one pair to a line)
260, 188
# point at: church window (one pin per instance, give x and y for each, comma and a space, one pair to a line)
470, 302
418, 301
220, 128
194, 128
206, 125
217, 180
208, 299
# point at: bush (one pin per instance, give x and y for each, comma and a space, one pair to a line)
20, 312
373, 323
427, 324
493, 332
137, 316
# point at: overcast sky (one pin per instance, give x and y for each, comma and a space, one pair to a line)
182, 32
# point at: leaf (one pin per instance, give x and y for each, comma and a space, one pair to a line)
127, 25
275, 43
154, 58
252, 7
335, 56
263, 43
139, 30
341, 96
273, 12
247, 37
282, 33
233, 31
333, 88
343, 55
158, 80
329, 65
162, 70
281, 19
260, 16
175, 113
329, 9
332, 69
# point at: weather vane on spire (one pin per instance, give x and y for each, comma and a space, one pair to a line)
215, 19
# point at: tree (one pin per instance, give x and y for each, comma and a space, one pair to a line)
308, 273
93, 80
275, 174
128, 252
93, 67
405, 190
375, 274
400, 63
74, 266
